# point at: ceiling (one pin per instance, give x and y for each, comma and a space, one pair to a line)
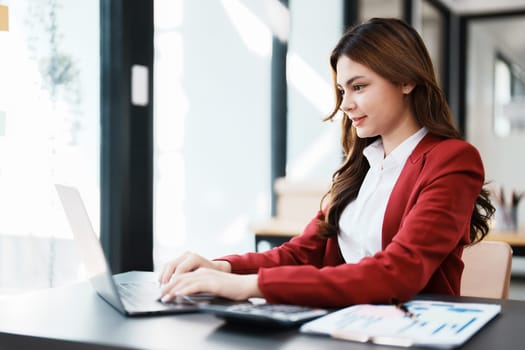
502, 29
483, 6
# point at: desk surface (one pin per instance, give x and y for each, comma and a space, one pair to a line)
514, 238
277, 231
74, 317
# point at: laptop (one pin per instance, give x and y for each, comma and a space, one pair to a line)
132, 293
136, 293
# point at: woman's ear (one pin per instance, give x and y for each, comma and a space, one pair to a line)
407, 88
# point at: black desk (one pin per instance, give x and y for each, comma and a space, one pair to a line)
74, 317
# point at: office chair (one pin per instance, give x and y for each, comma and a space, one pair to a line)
487, 270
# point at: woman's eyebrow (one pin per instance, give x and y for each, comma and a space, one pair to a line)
351, 80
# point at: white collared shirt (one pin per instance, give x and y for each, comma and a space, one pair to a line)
362, 220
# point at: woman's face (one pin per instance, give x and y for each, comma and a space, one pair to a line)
375, 105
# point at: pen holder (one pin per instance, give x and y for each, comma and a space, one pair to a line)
514, 218
506, 218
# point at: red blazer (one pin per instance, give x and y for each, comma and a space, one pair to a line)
426, 225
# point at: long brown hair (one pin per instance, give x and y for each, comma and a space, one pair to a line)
395, 51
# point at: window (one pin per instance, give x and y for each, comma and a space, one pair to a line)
212, 108
212, 115
49, 133
509, 96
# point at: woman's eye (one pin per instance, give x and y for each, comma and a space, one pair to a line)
358, 87
341, 92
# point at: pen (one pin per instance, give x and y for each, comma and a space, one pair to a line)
404, 309
516, 197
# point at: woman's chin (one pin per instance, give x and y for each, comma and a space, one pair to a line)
363, 132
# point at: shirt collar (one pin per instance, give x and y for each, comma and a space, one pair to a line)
375, 152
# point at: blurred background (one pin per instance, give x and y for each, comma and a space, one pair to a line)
174, 118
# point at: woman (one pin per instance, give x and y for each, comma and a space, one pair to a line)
405, 202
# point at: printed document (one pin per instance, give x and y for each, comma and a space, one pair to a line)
426, 323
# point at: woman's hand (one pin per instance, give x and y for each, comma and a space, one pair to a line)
208, 280
189, 262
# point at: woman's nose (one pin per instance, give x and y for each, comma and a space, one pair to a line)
347, 105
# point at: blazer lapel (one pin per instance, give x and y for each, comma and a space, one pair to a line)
398, 204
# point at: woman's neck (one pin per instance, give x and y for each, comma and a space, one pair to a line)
392, 140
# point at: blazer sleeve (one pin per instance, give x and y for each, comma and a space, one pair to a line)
305, 249
435, 221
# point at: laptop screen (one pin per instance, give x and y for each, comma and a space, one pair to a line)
88, 244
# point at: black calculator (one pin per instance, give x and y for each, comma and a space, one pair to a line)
284, 315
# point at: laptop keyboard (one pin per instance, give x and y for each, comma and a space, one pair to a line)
139, 293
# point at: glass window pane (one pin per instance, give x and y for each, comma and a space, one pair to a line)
314, 148
432, 29
49, 133
212, 117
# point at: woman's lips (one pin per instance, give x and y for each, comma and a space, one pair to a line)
358, 121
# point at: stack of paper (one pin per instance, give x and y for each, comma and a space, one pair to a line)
433, 324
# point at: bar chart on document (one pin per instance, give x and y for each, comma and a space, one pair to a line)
446, 321
434, 323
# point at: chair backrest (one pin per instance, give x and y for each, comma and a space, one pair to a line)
487, 270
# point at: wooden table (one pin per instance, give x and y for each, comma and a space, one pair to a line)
276, 232
516, 239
